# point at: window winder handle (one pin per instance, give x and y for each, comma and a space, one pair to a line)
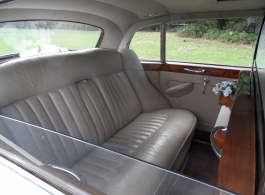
205, 81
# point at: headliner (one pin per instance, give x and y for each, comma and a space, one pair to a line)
126, 13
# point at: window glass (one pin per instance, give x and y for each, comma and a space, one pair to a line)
260, 58
216, 41
39, 37
146, 43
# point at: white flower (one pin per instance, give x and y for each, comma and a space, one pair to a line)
49, 49
215, 90
63, 49
225, 87
44, 49
227, 91
30, 52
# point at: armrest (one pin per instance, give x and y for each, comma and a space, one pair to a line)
179, 90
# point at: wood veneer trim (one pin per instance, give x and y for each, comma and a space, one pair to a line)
219, 139
237, 166
217, 72
226, 101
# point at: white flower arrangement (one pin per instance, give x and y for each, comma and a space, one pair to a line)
226, 88
41, 49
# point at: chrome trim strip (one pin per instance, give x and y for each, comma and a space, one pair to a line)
76, 175
193, 70
163, 43
215, 130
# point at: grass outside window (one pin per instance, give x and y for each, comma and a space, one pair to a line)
18, 36
192, 50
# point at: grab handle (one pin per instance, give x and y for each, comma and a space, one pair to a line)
194, 70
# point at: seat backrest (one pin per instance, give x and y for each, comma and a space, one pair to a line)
81, 94
111, 101
150, 98
46, 146
88, 94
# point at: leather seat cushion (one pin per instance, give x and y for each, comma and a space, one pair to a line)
99, 167
116, 174
161, 137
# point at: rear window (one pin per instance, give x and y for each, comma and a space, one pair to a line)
39, 37
146, 42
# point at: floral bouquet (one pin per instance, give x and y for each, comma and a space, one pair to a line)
226, 88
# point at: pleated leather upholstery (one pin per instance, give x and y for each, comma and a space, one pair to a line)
100, 167
100, 112
62, 110
101, 106
91, 110
156, 137
46, 146
134, 136
120, 97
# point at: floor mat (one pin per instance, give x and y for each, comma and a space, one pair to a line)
202, 163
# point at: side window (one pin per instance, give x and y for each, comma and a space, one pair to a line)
146, 43
260, 57
216, 41
39, 37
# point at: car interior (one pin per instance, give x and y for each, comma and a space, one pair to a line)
103, 119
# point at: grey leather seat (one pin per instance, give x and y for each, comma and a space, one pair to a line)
100, 96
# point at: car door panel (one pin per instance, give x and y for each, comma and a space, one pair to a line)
205, 106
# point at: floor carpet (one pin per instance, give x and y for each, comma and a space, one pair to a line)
202, 163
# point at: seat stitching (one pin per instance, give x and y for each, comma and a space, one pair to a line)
133, 88
111, 99
119, 147
133, 132
116, 141
108, 115
151, 120
90, 163
122, 98
81, 113
117, 162
134, 138
119, 171
93, 114
119, 99
31, 132
194, 123
46, 112
98, 137
135, 126
86, 171
151, 137
66, 106
72, 117
119, 77
98, 112
42, 93
59, 114
55, 153
60, 137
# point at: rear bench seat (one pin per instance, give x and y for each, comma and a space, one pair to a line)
100, 96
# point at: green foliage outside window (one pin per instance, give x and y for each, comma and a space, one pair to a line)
241, 31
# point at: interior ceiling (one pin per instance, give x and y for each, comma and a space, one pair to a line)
124, 13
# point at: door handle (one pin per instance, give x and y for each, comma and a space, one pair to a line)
205, 81
194, 70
